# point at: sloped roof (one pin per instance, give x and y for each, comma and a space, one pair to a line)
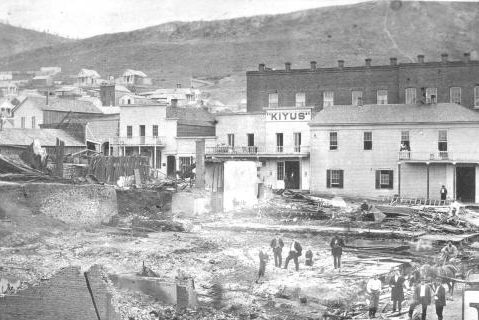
88, 73
47, 137
38, 102
71, 105
130, 72
120, 88
394, 114
190, 116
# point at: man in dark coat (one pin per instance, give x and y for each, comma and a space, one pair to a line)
439, 298
422, 296
295, 251
443, 193
309, 258
396, 283
277, 245
337, 245
263, 259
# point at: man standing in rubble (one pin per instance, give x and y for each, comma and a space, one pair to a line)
263, 259
373, 288
277, 245
397, 290
295, 251
422, 296
337, 245
443, 193
449, 252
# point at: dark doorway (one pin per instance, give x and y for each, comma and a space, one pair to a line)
466, 184
250, 139
292, 174
170, 166
142, 133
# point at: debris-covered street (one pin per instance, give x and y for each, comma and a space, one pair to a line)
220, 252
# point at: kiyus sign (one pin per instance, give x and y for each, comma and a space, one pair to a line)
288, 115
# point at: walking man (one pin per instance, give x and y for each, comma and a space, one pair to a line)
439, 298
397, 290
277, 245
443, 193
295, 251
373, 288
337, 245
263, 259
309, 258
422, 296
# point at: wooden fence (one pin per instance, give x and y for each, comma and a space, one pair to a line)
109, 169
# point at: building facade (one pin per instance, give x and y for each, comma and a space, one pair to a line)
276, 139
405, 150
397, 83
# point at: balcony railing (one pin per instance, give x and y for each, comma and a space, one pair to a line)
257, 150
438, 156
139, 141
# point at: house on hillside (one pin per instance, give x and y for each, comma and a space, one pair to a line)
87, 78
131, 98
166, 135
134, 78
15, 141
8, 88
177, 97
397, 149
42, 81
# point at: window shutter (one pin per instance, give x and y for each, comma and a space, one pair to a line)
341, 178
391, 181
378, 179
328, 178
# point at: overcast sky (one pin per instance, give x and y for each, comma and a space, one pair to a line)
85, 18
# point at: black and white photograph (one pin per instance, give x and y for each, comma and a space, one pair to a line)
239, 159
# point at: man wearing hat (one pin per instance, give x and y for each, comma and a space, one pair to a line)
439, 298
422, 296
373, 288
396, 283
277, 245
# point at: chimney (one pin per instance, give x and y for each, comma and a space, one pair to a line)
420, 58
287, 66
107, 95
393, 61
313, 65
444, 57
340, 64
368, 62
261, 67
178, 85
467, 57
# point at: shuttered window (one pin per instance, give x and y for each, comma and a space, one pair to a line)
384, 179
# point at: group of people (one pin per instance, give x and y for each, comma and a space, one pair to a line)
295, 250
423, 295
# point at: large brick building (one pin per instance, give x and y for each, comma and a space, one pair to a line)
396, 83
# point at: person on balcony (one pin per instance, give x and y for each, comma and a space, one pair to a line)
443, 193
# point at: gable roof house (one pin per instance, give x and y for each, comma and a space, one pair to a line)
87, 78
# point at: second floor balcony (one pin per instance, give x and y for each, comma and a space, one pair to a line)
138, 141
256, 151
438, 156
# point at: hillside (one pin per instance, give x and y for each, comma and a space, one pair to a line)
223, 50
14, 40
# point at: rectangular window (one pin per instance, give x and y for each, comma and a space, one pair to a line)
455, 95
129, 131
231, 140
300, 99
476, 96
279, 142
410, 95
356, 98
442, 141
297, 141
368, 140
382, 97
384, 179
334, 178
333, 140
250, 137
405, 140
280, 170
22, 122
431, 95
185, 163
155, 130
328, 98
273, 100
34, 122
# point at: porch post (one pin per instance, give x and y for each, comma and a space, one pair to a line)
427, 168
454, 181
399, 179
124, 150
139, 150
154, 156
